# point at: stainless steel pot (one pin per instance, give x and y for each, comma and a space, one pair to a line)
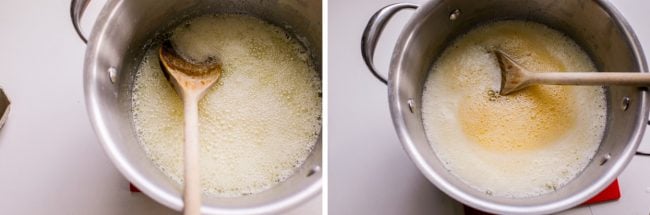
114, 50
594, 24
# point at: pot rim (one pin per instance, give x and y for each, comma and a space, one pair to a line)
397, 108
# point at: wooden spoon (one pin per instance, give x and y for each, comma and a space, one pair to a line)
515, 77
191, 81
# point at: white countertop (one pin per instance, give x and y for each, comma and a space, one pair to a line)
369, 173
50, 160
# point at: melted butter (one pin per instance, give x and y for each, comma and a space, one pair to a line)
525, 45
529, 119
257, 124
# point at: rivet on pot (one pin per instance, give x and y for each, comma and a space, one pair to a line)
112, 74
313, 171
411, 104
454, 15
625, 103
605, 159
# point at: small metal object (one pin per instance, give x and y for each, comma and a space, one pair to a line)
112, 74
4, 107
488, 192
625, 103
454, 15
313, 171
411, 104
605, 159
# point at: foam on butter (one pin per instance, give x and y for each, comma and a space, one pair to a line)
525, 144
257, 124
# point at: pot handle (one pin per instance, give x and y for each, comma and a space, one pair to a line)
77, 9
373, 31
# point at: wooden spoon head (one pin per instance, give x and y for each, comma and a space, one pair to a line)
188, 78
514, 77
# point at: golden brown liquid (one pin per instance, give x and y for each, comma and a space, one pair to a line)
527, 119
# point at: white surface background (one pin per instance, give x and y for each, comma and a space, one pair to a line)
369, 173
50, 160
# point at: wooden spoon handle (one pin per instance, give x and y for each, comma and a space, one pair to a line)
192, 191
591, 78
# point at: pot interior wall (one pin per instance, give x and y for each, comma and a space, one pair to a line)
120, 42
587, 22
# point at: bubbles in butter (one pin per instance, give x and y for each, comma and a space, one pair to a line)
525, 144
257, 124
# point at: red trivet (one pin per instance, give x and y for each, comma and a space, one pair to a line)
612, 192
133, 189
609, 194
